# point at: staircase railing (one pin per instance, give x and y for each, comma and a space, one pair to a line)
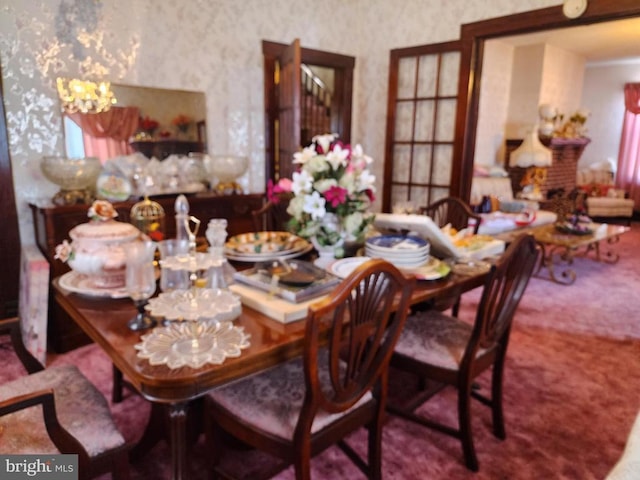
316, 100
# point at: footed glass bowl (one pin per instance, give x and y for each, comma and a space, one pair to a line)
227, 169
73, 175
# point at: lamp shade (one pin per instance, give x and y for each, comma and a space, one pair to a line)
531, 153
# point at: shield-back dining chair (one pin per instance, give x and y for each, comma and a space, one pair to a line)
453, 352
58, 410
455, 212
297, 409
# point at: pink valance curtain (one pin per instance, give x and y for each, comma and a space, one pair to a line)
628, 176
106, 134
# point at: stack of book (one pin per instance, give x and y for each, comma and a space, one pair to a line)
283, 292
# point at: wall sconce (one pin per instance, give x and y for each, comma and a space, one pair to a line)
85, 96
536, 158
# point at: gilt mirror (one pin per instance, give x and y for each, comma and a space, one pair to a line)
169, 121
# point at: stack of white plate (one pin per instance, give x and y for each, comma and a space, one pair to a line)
403, 251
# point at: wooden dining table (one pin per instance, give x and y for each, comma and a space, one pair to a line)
176, 391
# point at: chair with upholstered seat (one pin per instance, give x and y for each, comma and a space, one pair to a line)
58, 410
453, 352
298, 409
455, 212
272, 216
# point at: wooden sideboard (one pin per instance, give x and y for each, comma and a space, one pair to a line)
161, 149
52, 225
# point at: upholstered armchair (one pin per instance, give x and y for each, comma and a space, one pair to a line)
603, 200
58, 410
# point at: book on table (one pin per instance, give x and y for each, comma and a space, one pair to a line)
292, 280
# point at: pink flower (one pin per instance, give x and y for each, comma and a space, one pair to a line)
336, 196
273, 191
369, 193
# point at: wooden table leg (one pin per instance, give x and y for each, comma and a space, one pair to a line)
178, 426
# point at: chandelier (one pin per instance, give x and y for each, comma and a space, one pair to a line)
85, 96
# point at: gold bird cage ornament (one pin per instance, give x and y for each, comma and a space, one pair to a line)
149, 217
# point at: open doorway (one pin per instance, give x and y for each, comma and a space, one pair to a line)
307, 92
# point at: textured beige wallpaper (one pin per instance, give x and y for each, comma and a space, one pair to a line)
213, 46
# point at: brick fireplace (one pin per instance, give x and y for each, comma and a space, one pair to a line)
561, 174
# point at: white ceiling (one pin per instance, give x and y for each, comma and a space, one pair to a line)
600, 42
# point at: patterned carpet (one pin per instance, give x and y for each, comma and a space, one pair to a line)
572, 391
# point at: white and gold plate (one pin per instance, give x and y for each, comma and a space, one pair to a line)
342, 268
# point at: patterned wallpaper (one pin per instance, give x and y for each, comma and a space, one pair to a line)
212, 46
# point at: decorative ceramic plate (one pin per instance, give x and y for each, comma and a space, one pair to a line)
79, 283
192, 344
471, 267
113, 186
196, 303
264, 243
342, 268
397, 243
571, 229
260, 246
433, 269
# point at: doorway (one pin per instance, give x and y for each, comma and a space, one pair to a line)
307, 92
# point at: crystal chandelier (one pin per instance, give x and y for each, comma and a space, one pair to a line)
85, 96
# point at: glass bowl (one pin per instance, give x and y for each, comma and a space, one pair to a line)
71, 173
227, 169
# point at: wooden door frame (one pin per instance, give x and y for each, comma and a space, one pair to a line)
473, 36
10, 247
342, 65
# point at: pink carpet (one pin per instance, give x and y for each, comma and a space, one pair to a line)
572, 390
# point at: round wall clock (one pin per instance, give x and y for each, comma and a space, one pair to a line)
574, 8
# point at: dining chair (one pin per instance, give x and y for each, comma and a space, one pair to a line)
455, 212
453, 352
297, 409
58, 410
272, 216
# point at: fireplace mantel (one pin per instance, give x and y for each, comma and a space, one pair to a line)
562, 173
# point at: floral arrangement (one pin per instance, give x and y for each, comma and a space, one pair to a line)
148, 125
574, 127
182, 122
332, 191
100, 211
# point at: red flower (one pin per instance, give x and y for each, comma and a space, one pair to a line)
336, 196
148, 124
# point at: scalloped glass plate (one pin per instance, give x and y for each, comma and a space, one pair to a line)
196, 304
192, 344
190, 263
